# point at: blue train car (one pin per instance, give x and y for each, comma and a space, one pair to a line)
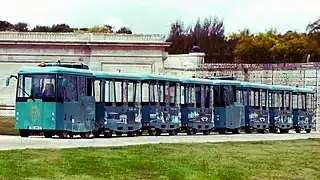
55, 101
228, 110
255, 100
118, 106
303, 109
161, 107
280, 108
197, 105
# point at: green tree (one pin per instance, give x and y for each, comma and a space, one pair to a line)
124, 30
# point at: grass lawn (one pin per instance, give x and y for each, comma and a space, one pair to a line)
298, 159
7, 126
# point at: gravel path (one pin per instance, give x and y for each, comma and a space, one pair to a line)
16, 142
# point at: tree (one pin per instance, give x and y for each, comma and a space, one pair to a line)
21, 27
5, 25
209, 35
314, 27
61, 28
124, 30
39, 28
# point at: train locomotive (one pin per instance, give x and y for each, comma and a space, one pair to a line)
66, 99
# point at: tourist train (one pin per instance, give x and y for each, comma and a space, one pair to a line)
69, 99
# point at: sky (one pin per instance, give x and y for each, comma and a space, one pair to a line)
155, 16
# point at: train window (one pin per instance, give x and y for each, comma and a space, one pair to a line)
124, 92
295, 101
178, 94
118, 88
211, 96
25, 83
190, 94
309, 101
171, 89
287, 100
263, 96
82, 86
302, 102
131, 91
108, 95
90, 87
182, 94
217, 98
145, 92
137, 92
271, 99
70, 92
198, 94
206, 93
245, 97
252, 98
98, 90
228, 95
278, 100
110, 91
256, 98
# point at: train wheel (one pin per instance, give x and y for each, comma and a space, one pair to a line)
119, 133
236, 131
273, 130
47, 134
308, 131
130, 134
154, 132
63, 134
191, 131
284, 131
71, 134
207, 132
139, 132
96, 133
172, 132
222, 131
24, 133
248, 131
261, 131
107, 134
85, 135
298, 130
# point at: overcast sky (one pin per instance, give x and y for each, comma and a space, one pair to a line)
155, 16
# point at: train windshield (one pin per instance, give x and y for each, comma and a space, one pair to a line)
36, 87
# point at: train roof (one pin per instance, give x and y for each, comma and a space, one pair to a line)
208, 81
303, 90
160, 77
280, 88
113, 75
55, 70
196, 81
254, 85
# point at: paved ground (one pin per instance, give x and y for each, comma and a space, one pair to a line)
16, 142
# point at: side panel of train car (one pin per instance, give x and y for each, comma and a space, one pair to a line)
197, 105
303, 109
280, 108
161, 108
255, 100
228, 110
118, 108
55, 101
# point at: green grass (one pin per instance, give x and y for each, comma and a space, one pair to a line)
298, 159
7, 126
